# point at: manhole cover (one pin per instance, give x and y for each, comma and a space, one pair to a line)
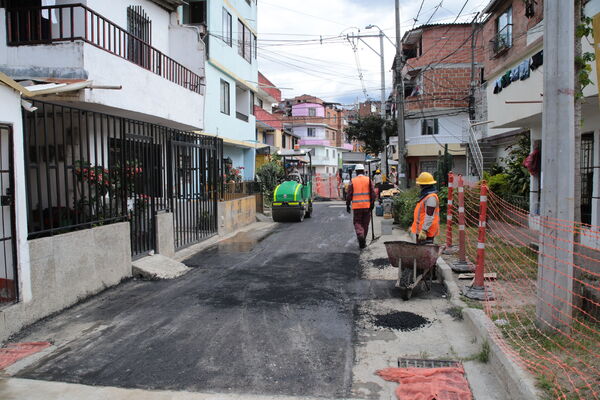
423, 363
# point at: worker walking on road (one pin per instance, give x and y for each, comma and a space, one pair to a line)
426, 222
361, 196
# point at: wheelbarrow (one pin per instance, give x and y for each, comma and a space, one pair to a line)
415, 263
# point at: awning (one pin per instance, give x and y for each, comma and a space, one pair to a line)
46, 88
237, 143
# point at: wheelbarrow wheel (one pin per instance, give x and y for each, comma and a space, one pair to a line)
405, 293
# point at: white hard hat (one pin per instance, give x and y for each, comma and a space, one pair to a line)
359, 167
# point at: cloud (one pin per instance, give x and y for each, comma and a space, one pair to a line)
301, 50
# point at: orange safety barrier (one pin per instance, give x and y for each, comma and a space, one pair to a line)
545, 305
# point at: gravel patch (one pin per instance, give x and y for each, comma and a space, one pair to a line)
400, 320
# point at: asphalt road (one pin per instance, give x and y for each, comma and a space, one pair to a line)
269, 317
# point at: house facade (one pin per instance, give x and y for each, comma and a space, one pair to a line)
269, 125
512, 94
101, 162
437, 73
231, 78
319, 126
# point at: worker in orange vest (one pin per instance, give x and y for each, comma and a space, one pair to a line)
361, 196
426, 220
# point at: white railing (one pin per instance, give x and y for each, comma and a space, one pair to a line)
474, 149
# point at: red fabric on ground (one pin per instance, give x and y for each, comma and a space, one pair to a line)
448, 383
14, 352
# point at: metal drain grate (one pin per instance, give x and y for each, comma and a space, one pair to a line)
423, 363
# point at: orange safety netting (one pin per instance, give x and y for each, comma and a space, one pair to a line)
446, 383
545, 293
327, 186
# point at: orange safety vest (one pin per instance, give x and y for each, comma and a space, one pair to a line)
361, 195
421, 213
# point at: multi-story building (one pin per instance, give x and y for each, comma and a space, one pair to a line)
513, 92
231, 75
319, 127
101, 103
269, 125
437, 87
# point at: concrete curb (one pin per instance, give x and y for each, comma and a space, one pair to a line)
517, 381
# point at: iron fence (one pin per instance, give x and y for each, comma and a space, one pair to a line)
237, 190
86, 168
71, 22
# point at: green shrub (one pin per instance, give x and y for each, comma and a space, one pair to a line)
269, 176
498, 184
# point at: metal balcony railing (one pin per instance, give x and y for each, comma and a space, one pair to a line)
71, 22
502, 41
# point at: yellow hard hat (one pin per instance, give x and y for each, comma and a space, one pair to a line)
378, 171
426, 179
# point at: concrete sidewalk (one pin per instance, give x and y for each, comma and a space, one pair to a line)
445, 336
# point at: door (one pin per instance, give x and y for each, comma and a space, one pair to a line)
8, 259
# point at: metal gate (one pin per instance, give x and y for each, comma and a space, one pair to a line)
8, 251
85, 169
195, 188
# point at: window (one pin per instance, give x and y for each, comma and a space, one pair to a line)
197, 13
240, 41
260, 103
283, 138
224, 97
428, 166
246, 41
226, 27
251, 103
503, 38
429, 126
326, 153
587, 176
312, 112
310, 132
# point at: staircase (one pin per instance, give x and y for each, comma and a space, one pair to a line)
480, 154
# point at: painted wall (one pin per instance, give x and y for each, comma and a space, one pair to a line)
301, 110
235, 214
302, 131
86, 262
450, 128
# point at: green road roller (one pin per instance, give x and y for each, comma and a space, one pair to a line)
293, 198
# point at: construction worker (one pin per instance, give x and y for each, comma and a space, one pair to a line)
361, 196
378, 181
426, 222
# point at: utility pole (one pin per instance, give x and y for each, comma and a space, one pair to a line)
473, 84
382, 107
399, 82
555, 270
381, 35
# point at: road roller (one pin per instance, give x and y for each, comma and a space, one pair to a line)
293, 198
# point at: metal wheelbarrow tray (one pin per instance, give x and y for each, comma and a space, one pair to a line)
415, 263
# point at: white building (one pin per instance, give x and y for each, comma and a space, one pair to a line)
98, 160
231, 75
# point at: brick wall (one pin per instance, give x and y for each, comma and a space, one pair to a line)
268, 87
493, 64
448, 44
444, 67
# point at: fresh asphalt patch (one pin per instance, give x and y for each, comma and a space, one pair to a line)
400, 320
273, 316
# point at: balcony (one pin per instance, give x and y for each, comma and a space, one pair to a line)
241, 116
76, 22
502, 41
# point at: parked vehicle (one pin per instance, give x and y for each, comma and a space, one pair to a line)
293, 198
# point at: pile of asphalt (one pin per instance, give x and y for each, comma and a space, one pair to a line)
400, 320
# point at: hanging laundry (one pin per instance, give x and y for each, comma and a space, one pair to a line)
514, 74
498, 86
524, 71
537, 60
505, 80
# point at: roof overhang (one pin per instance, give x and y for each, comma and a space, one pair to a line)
170, 5
492, 6
412, 37
47, 88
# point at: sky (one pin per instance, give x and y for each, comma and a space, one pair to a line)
303, 48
